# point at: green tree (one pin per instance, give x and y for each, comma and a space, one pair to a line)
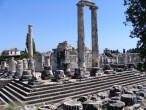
124, 51
136, 15
27, 40
24, 54
117, 51
133, 50
3, 53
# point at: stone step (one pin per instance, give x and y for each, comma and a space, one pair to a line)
16, 93
75, 84
21, 91
19, 85
10, 95
70, 93
58, 85
50, 85
79, 84
91, 79
44, 94
3, 100
55, 100
88, 93
70, 89
23, 83
94, 92
54, 93
6, 98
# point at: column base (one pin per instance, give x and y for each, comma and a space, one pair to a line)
94, 71
34, 81
26, 76
79, 73
108, 72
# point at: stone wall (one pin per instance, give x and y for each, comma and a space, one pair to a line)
66, 54
41, 60
73, 61
4, 82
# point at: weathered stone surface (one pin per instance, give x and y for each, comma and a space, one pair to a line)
119, 69
107, 67
115, 98
26, 76
60, 108
59, 74
95, 51
30, 42
129, 99
68, 72
140, 86
25, 64
47, 107
68, 99
134, 90
139, 99
90, 105
82, 98
135, 107
126, 90
79, 73
105, 102
12, 65
47, 73
3, 65
116, 61
94, 98
34, 81
31, 65
115, 90
108, 72
81, 37
102, 95
118, 105
94, 71
141, 93
19, 69
72, 105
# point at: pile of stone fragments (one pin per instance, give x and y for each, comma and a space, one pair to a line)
116, 98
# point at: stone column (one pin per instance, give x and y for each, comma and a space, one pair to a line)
31, 65
117, 60
95, 51
81, 37
3, 65
19, 69
25, 64
12, 65
30, 42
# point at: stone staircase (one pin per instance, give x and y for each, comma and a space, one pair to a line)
17, 91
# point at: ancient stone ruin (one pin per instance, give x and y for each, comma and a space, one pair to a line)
69, 78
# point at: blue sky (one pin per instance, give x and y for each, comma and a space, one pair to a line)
55, 21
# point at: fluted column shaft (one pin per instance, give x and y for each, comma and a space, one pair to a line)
30, 42
95, 51
81, 37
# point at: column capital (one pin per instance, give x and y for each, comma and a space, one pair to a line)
80, 4
93, 7
30, 25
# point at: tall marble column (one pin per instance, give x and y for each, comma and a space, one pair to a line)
81, 37
31, 64
30, 42
95, 51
